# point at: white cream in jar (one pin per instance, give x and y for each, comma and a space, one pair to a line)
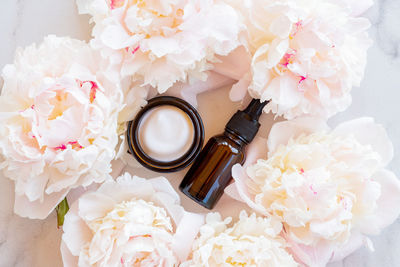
165, 133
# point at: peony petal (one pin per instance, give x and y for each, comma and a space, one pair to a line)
239, 89
127, 188
368, 132
189, 91
354, 243
240, 176
235, 65
282, 132
94, 205
76, 233
388, 209
232, 191
116, 38
161, 46
161, 184
68, 259
185, 233
256, 150
317, 255
38, 209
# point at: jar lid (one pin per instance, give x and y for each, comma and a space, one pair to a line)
136, 148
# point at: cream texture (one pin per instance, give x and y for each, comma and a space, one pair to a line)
166, 133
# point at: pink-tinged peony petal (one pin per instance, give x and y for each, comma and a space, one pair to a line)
355, 242
64, 129
76, 233
186, 231
161, 184
239, 89
368, 132
161, 46
189, 91
127, 188
235, 65
68, 259
281, 132
317, 255
232, 191
33, 189
135, 96
161, 79
256, 150
38, 209
94, 205
76, 193
116, 38
388, 209
281, 26
240, 177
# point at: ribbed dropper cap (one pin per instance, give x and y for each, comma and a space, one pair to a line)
245, 123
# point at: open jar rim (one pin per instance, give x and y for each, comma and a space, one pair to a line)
180, 163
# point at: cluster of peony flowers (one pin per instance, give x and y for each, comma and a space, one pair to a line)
251, 241
318, 193
306, 55
129, 222
58, 122
163, 42
328, 188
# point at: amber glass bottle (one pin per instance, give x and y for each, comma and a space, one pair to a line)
211, 172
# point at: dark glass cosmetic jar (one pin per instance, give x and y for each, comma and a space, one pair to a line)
137, 146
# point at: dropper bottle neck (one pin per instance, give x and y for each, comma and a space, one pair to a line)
244, 124
255, 108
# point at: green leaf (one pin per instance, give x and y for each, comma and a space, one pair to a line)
62, 209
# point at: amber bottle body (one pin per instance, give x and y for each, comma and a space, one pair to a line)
211, 172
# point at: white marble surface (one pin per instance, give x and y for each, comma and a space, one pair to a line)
35, 243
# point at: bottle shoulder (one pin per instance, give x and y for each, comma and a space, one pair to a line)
225, 141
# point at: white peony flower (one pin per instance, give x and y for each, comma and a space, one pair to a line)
58, 122
307, 55
163, 42
251, 241
329, 189
129, 222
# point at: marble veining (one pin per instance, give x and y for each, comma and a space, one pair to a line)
385, 23
35, 243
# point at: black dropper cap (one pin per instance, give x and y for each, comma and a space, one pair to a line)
245, 123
